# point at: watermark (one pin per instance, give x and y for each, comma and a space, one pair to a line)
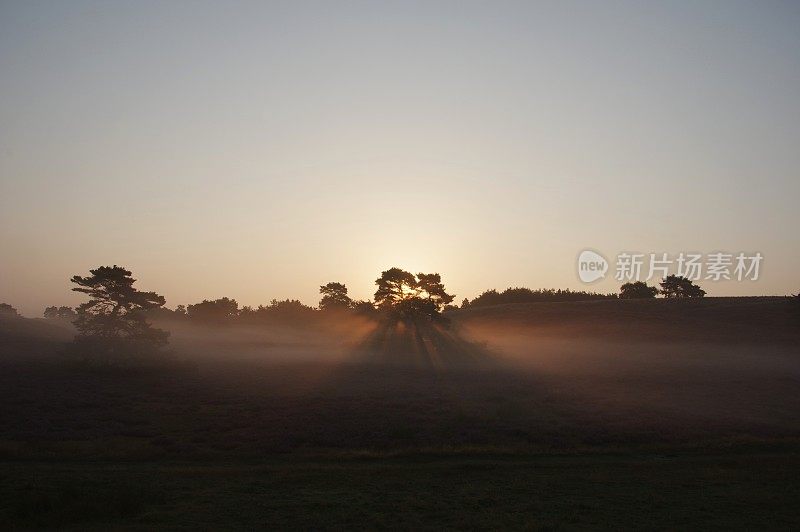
632, 267
592, 266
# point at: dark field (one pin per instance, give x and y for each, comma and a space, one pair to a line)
746, 489
609, 414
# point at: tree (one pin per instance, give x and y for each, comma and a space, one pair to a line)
676, 286
637, 290
7, 311
217, 311
395, 286
364, 308
289, 311
430, 287
334, 296
465, 303
526, 295
60, 313
112, 323
404, 295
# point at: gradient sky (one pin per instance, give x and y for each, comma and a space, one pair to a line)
257, 150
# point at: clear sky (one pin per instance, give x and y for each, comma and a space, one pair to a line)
257, 150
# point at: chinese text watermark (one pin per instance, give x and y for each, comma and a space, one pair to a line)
632, 267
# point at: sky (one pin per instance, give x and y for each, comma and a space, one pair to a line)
257, 150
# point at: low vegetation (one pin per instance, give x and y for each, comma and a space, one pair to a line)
606, 411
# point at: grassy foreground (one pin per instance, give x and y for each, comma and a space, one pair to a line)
730, 490
591, 416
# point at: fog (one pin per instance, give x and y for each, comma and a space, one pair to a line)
485, 380
329, 341
624, 388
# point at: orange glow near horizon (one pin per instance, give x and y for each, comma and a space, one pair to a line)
312, 149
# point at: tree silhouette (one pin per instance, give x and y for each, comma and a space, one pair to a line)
403, 295
112, 323
637, 290
217, 311
60, 313
676, 287
431, 288
288, 311
364, 308
7, 311
526, 295
395, 286
334, 296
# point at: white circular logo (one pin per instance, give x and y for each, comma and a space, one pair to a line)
591, 266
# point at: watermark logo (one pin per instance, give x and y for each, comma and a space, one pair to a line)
632, 267
591, 266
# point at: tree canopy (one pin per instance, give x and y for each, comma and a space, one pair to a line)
526, 295
394, 287
219, 311
8, 311
676, 286
637, 290
115, 307
60, 313
334, 296
403, 294
113, 322
431, 287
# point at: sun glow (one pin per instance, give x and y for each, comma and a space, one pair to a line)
409, 291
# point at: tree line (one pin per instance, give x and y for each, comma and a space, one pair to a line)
115, 324
526, 295
399, 293
672, 287
116, 321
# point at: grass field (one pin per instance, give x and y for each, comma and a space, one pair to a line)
603, 414
747, 488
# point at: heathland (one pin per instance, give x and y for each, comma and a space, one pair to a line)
649, 413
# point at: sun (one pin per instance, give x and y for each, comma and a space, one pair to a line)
409, 291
